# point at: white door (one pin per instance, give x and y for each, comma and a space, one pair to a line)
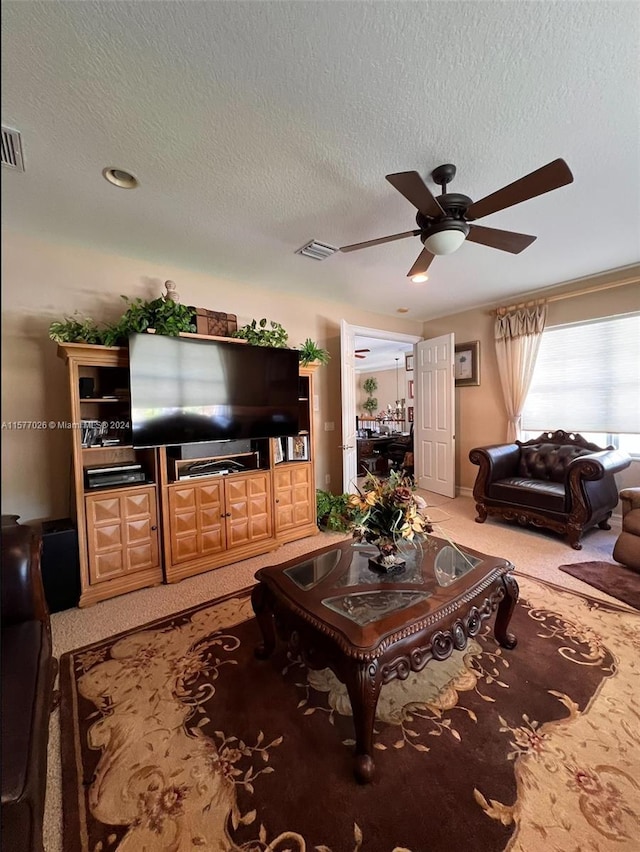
348, 379
434, 427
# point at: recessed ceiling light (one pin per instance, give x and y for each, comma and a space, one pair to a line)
402, 310
420, 279
121, 178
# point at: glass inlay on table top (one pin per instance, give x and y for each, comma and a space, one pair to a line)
452, 563
308, 574
359, 572
446, 566
366, 607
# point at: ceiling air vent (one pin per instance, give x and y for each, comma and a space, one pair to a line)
12, 149
316, 250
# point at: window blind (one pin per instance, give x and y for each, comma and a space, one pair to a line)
587, 378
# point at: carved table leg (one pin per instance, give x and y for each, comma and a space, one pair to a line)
363, 683
264, 615
505, 611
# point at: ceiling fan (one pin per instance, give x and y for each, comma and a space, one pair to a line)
445, 222
357, 351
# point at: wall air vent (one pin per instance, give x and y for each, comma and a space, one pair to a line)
12, 149
316, 250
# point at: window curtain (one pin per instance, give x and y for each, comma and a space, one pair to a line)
518, 332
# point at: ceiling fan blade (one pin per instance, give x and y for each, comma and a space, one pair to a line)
503, 240
362, 350
549, 177
380, 240
361, 356
422, 263
414, 189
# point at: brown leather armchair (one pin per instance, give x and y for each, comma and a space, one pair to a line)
28, 672
558, 480
627, 547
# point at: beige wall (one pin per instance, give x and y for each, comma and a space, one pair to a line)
43, 281
480, 413
391, 386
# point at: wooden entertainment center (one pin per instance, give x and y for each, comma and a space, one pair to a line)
166, 528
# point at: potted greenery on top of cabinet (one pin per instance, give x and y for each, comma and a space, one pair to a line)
163, 314
310, 352
166, 315
269, 333
262, 333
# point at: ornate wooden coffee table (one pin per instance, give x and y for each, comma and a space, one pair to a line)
370, 628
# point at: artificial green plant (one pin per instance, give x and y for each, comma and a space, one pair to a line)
263, 333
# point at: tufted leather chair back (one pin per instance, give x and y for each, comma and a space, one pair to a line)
548, 462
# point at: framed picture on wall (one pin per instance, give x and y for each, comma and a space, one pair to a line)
410, 414
298, 448
408, 362
467, 364
410, 388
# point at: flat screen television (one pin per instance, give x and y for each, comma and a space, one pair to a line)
185, 390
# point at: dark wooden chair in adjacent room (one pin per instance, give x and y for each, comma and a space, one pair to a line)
399, 453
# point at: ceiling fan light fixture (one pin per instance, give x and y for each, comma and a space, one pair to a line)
447, 238
444, 223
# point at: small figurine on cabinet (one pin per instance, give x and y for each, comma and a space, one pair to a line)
172, 294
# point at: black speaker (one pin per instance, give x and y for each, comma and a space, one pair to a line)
86, 388
60, 564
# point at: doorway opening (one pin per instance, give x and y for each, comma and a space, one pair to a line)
384, 347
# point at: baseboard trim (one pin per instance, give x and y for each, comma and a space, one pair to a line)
464, 492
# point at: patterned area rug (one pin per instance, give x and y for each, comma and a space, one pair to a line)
612, 579
175, 737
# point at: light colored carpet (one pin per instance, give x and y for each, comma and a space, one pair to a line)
536, 553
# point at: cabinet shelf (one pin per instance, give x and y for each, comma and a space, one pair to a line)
101, 449
125, 486
102, 399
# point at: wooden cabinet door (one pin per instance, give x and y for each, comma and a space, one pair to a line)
293, 495
196, 520
122, 533
248, 509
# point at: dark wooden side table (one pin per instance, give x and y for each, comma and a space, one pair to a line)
370, 628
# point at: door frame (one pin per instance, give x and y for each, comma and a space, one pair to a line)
348, 400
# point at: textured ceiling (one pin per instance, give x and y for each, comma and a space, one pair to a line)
382, 354
255, 127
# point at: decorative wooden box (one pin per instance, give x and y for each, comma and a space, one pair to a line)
215, 323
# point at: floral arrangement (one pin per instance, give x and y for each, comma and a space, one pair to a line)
388, 511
